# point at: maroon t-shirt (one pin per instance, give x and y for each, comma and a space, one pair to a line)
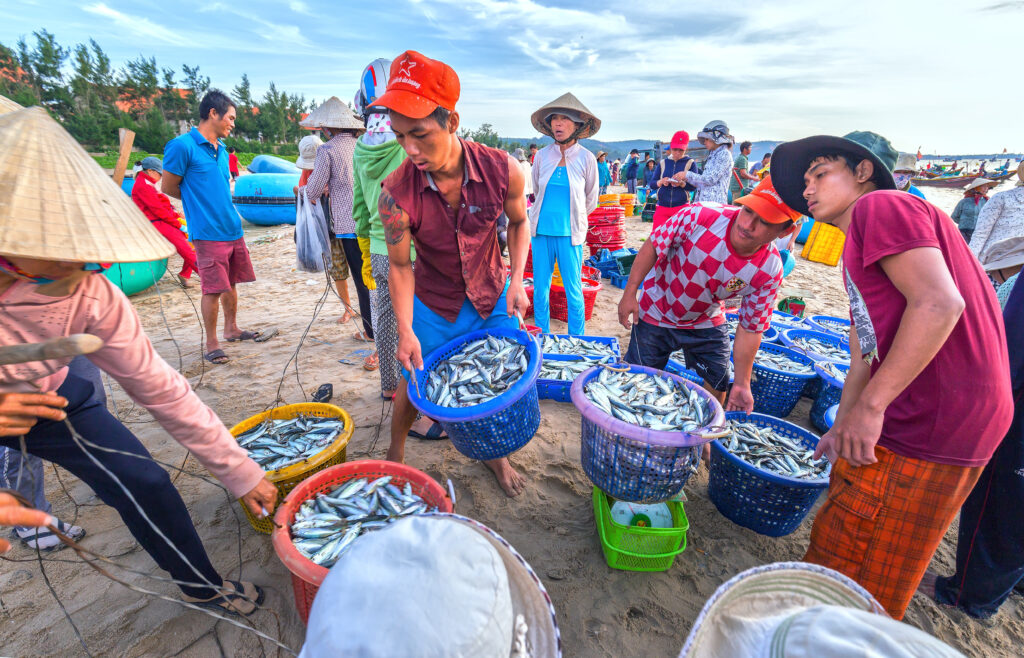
960, 406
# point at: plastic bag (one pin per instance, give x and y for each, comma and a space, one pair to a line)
312, 244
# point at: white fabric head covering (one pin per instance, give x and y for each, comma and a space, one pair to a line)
378, 129
307, 151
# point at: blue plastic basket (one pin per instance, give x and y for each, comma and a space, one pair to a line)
813, 388
610, 341
497, 427
770, 335
632, 463
827, 323
764, 502
830, 416
788, 317
619, 280
776, 392
831, 391
556, 389
680, 369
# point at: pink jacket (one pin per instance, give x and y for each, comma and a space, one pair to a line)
99, 308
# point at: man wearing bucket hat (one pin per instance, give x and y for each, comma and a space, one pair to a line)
50, 287
446, 199
164, 217
673, 190
566, 183
800, 610
927, 398
701, 256
196, 171
712, 182
459, 589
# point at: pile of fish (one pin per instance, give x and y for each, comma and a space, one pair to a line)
787, 322
782, 362
822, 348
835, 327
325, 526
833, 370
567, 371
573, 346
274, 444
771, 451
657, 403
478, 372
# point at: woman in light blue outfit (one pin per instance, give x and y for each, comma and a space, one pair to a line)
565, 182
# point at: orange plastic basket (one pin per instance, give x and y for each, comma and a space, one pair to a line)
824, 245
307, 576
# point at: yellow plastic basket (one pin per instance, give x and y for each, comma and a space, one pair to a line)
288, 477
824, 245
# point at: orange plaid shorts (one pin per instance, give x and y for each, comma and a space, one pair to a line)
882, 523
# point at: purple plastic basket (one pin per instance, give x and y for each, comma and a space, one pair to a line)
632, 463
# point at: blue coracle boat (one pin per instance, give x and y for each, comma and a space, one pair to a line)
266, 199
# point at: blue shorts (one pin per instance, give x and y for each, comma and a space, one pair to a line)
433, 330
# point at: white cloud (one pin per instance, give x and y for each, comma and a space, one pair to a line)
300, 7
139, 26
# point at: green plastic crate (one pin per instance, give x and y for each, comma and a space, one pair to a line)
639, 549
625, 263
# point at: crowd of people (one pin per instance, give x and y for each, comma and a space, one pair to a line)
420, 218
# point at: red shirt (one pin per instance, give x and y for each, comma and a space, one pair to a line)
960, 406
232, 163
457, 252
697, 269
152, 202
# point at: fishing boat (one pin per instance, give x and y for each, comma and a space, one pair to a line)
945, 181
266, 199
1000, 176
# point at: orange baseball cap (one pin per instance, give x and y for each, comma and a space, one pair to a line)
767, 203
418, 85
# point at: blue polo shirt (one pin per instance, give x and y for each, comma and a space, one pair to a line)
205, 191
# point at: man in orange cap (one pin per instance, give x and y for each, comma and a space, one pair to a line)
673, 190
446, 199
705, 254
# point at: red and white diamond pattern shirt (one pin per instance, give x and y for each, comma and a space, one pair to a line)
697, 269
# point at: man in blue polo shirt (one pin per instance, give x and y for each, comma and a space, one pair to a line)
196, 171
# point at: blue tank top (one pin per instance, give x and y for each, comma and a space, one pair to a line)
554, 214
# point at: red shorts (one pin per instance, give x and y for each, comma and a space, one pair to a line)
662, 214
223, 264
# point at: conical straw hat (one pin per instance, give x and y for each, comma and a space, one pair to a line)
56, 203
333, 114
566, 102
7, 105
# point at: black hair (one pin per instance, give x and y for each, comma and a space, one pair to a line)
533, 146
215, 99
745, 145
766, 155
634, 151
650, 161
440, 115
231, 149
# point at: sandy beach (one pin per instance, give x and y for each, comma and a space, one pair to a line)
601, 612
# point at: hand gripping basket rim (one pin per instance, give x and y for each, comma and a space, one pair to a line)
793, 354
819, 483
790, 335
829, 379
465, 414
593, 413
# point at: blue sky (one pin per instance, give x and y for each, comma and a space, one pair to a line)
943, 75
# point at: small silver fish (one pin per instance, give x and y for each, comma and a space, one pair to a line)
773, 451
649, 401
477, 372
575, 346
274, 444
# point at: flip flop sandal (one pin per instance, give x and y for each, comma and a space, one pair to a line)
245, 335
435, 433
244, 599
371, 362
46, 540
215, 356
265, 335
324, 393
387, 397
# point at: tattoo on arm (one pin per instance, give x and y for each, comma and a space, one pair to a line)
396, 222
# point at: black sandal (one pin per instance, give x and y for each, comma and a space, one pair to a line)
244, 599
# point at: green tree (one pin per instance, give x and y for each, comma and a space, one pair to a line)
47, 61
15, 81
246, 124
197, 85
94, 117
140, 82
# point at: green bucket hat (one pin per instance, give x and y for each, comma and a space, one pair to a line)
791, 160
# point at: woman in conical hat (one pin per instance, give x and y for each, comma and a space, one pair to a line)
52, 247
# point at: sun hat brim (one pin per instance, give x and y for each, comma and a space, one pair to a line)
728, 623
567, 104
791, 160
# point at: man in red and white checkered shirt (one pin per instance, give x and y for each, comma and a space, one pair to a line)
708, 253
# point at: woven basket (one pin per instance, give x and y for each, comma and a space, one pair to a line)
497, 427
285, 479
632, 463
764, 502
559, 304
831, 391
776, 392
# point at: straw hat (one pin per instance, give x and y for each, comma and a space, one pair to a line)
571, 107
7, 105
1020, 172
307, 151
979, 182
333, 114
800, 610
56, 203
435, 584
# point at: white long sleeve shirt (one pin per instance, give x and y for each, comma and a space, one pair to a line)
581, 167
713, 182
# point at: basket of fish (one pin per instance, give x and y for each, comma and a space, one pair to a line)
783, 321
833, 377
642, 430
292, 442
583, 346
482, 389
677, 366
557, 373
830, 325
819, 345
778, 379
770, 335
321, 518
763, 475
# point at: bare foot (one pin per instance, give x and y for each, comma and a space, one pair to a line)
396, 453
927, 585
508, 479
705, 454
345, 318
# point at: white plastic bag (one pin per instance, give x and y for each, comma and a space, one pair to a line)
312, 245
